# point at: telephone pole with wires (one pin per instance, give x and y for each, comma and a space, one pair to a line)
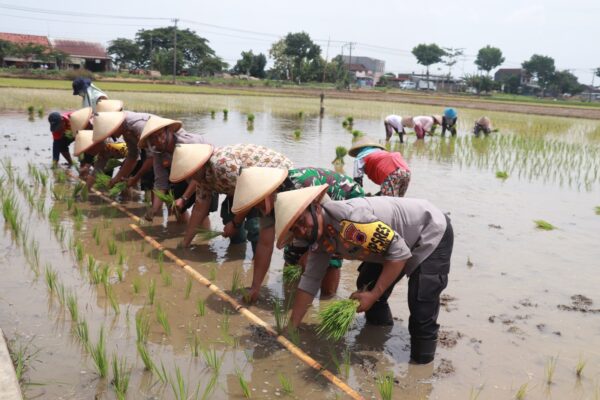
175, 20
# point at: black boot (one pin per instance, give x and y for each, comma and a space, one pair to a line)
422, 351
380, 314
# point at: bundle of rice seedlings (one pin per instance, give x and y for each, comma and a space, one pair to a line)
102, 181
544, 225
77, 189
291, 273
340, 153
297, 134
501, 174
336, 318
356, 134
207, 234
117, 189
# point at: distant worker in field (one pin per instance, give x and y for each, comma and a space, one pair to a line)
257, 188
396, 123
90, 93
426, 124
449, 120
387, 169
483, 124
392, 238
61, 135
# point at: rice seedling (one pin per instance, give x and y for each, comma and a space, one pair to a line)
300, 114
112, 247
597, 210
212, 114
207, 234
102, 182
161, 317
51, 278
142, 327
188, 288
30, 109
166, 278
579, 367
549, 369
40, 112
385, 385
79, 253
117, 189
343, 366
21, 356
475, 393
121, 375
291, 273
340, 153
98, 352
297, 134
225, 322
53, 217
136, 284
212, 360
502, 175
180, 390
236, 281
72, 307
151, 292
210, 387
145, 356
212, 274
77, 188
43, 178
357, 134
544, 225
286, 384
112, 298
521, 392
250, 118
336, 318
81, 333
60, 176
294, 335
201, 307
281, 316
225, 113
40, 206
243, 384
195, 345
121, 260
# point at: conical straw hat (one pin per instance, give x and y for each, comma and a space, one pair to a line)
288, 208
254, 184
364, 141
106, 124
80, 119
187, 159
437, 119
154, 124
408, 122
484, 121
106, 105
83, 141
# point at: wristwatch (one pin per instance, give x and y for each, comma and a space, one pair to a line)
185, 199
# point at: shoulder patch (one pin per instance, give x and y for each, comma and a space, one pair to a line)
374, 237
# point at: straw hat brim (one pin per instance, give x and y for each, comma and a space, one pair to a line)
187, 159
83, 141
106, 105
80, 119
106, 124
361, 143
254, 184
154, 124
283, 225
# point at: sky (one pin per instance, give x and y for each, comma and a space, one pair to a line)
386, 30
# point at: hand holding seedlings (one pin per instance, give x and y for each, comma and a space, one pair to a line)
366, 300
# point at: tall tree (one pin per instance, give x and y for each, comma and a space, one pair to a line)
542, 67
31, 52
489, 58
251, 64
428, 54
6, 49
565, 82
303, 53
125, 53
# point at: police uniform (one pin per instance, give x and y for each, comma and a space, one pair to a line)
379, 229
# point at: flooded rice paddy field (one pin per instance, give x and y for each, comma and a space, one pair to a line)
521, 308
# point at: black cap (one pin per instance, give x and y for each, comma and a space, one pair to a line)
55, 119
80, 84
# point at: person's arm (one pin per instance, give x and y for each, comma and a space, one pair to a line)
359, 170
200, 211
302, 301
146, 166
262, 260
231, 228
391, 270
310, 283
124, 171
189, 192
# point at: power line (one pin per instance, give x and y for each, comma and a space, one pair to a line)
78, 14
75, 22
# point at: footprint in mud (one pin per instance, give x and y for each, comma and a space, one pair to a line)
515, 330
446, 300
494, 226
449, 339
579, 303
444, 368
527, 303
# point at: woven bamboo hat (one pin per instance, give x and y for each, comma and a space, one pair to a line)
437, 119
485, 122
288, 208
408, 122
83, 141
364, 141
187, 159
154, 124
106, 124
106, 105
254, 184
80, 119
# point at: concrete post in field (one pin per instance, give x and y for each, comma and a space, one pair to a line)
9, 385
322, 109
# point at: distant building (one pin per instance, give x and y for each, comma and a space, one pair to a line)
365, 67
89, 55
503, 74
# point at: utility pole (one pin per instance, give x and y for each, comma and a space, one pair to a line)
592, 87
349, 64
175, 51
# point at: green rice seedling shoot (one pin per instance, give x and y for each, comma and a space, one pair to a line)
161, 317
121, 374
291, 273
98, 352
544, 225
336, 318
385, 385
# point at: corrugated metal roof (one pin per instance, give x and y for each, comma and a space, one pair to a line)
23, 39
78, 48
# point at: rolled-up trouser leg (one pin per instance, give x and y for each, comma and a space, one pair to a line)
425, 285
379, 313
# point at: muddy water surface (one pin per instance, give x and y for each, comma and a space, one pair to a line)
517, 296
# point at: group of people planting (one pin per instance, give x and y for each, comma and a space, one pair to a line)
317, 216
